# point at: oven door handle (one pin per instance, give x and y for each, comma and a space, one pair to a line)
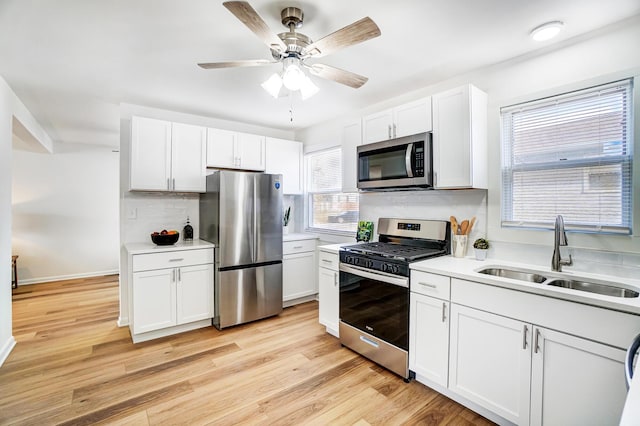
378, 276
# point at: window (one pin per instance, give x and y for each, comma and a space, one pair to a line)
571, 155
329, 208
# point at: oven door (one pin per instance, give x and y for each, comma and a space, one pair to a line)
376, 303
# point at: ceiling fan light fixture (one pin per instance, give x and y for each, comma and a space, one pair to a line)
273, 85
308, 89
546, 31
293, 76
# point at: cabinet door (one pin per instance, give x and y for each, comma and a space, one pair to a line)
412, 118
194, 296
188, 151
490, 362
329, 299
296, 281
575, 381
351, 138
285, 157
250, 149
150, 166
429, 338
221, 149
452, 138
154, 300
377, 127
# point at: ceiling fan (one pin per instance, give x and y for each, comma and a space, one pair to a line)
293, 48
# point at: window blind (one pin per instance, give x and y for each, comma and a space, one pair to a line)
325, 171
570, 154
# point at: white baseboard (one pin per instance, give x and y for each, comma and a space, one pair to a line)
6, 349
65, 277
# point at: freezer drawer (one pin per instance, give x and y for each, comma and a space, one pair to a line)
248, 294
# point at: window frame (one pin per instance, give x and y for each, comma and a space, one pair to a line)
508, 169
308, 195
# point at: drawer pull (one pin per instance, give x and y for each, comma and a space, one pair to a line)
177, 260
327, 261
297, 247
369, 341
428, 285
524, 337
444, 312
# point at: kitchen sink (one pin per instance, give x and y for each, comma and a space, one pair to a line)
604, 289
516, 274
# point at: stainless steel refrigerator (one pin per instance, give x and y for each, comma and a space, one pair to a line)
241, 213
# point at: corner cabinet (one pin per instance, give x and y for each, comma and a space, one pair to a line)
329, 290
235, 150
285, 157
404, 120
170, 292
167, 156
460, 138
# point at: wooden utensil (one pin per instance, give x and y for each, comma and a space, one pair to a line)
454, 224
464, 226
473, 222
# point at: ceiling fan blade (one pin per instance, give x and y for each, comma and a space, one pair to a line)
247, 14
336, 74
232, 64
355, 33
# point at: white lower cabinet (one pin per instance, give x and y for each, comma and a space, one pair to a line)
490, 362
429, 338
171, 291
575, 381
299, 258
329, 292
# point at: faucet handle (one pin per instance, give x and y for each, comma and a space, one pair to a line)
566, 262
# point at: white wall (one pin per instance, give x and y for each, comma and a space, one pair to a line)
65, 212
605, 55
11, 108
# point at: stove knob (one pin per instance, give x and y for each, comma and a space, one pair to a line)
347, 259
369, 263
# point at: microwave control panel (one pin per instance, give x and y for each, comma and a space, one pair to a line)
419, 160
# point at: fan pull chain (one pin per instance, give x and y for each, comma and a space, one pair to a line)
291, 107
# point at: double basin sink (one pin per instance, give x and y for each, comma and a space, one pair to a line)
607, 289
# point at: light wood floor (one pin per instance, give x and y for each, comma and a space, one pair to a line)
73, 365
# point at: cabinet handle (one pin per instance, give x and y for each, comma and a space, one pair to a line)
173, 275
536, 345
444, 308
173, 183
435, 178
179, 275
395, 132
177, 259
524, 337
428, 285
335, 279
327, 261
297, 247
389, 131
169, 184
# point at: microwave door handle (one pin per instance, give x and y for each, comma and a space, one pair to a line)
407, 160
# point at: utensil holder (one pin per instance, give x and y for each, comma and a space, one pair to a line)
459, 245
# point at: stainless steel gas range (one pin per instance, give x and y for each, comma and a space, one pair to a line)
374, 288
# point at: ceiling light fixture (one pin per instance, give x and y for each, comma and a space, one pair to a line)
547, 30
292, 78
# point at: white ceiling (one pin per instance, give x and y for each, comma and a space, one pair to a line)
72, 62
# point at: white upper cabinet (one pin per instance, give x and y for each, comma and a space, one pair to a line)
235, 150
188, 150
285, 157
404, 120
166, 156
460, 138
351, 138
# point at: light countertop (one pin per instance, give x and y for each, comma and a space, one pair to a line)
299, 237
467, 269
335, 248
141, 248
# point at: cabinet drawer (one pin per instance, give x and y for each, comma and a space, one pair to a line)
171, 259
329, 260
431, 284
289, 247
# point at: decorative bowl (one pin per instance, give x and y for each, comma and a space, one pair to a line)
165, 239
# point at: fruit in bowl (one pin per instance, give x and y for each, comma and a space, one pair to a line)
165, 238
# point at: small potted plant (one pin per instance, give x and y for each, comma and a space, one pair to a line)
481, 246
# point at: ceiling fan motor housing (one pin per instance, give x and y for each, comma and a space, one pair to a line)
292, 16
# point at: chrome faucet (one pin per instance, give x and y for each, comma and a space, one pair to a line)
560, 239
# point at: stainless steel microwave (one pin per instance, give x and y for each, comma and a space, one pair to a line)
401, 163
